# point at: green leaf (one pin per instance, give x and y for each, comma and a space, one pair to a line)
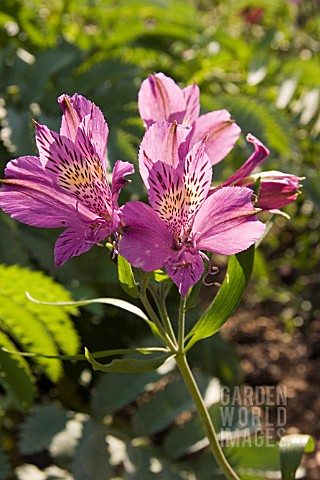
126, 277
292, 448
258, 116
229, 421
107, 301
128, 364
161, 276
116, 391
227, 299
15, 376
37, 432
253, 458
91, 460
168, 404
32, 327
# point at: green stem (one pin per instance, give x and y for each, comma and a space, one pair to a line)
186, 373
162, 309
181, 322
153, 316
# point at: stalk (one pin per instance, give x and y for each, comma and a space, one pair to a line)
154, 318
190, 382
160, 300
192, 386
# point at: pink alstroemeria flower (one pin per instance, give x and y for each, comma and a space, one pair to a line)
67, 186
161, 99
181, 221
277, 189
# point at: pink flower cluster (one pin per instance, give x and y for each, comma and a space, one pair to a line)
66, 185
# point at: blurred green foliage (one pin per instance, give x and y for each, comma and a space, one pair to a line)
257, 58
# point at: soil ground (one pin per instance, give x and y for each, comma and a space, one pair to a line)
286, 362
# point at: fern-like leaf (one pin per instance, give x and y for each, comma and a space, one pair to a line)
259, 118
36, 328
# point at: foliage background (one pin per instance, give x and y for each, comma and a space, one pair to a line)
258, 59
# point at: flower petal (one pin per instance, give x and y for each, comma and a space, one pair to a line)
192, 98
78, 239
160, 99
197, 177
29, 195
78, 112
94, 129
227, 222
81, 176
120, 170
221, 132
259, 155
185, 267
74, 109
176, 194
165, 142
277, 189
146, 243
167, 195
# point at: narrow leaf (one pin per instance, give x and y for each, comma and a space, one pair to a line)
292, 448
227, 299
107, 301
126, 277
128, 364
100, 354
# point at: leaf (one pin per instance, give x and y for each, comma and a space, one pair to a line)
128, 364
190, 437
262, 119
168, 403
227, 299
91, 460
107, 301
35, 328
41, 426
129, 307
116, 391
64, 443
126, 277
161, 276
148, 465
253, 458
15, 376
292, 448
